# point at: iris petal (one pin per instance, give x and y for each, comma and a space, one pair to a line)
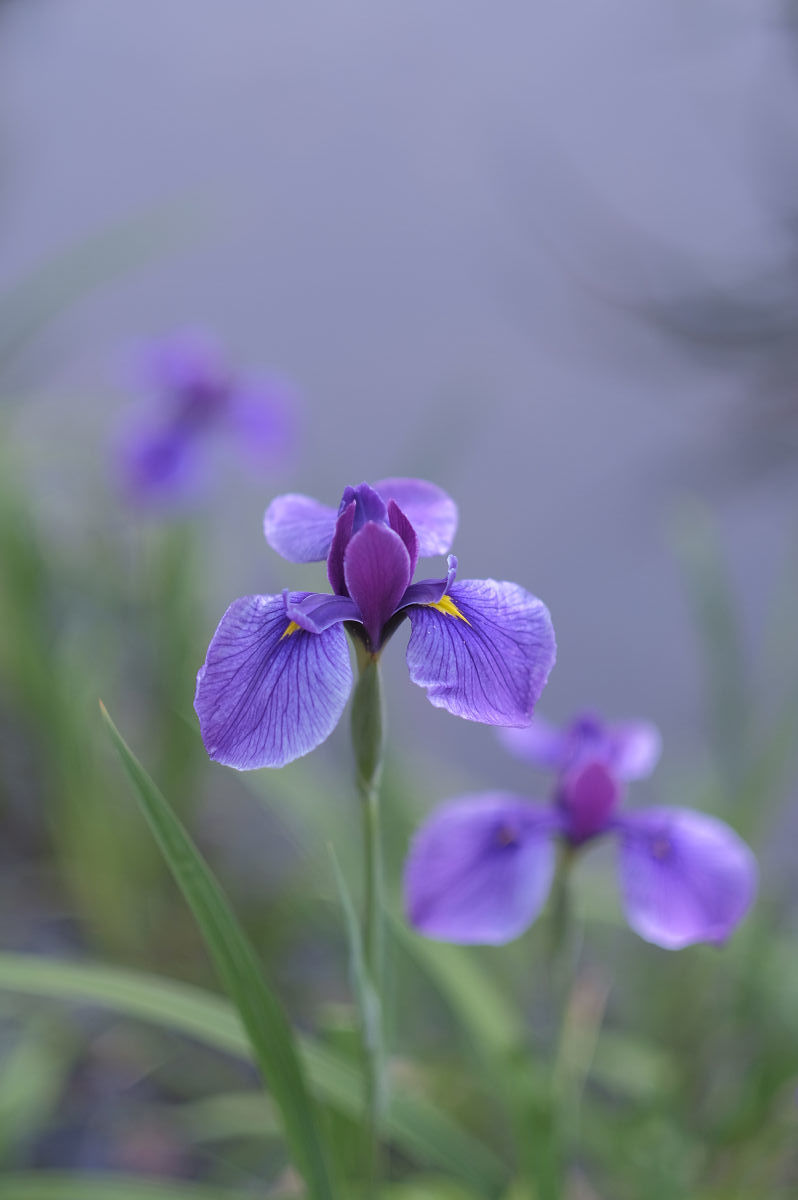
630, 749
400, 524
479, 869
317, 611
685, 877
159, 466
299, 527
377, 572
344, 526
261, 415
636, 747
266, 694
540, 743
489, 663
429, 510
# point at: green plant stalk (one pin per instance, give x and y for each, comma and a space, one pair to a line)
368, 741
546, 1164
272, 1038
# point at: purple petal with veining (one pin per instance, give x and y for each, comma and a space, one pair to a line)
480, 868
377, 572
344, 527
299, 527
430, 591
266, 696
400, 524
685, 876
369, 505
317, 611
491, 663
429, 510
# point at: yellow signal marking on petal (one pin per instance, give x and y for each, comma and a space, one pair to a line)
292, 627
447, 605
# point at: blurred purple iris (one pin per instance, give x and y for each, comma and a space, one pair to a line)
162, 454
277, 675
480, 869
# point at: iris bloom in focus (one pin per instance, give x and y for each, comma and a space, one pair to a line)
480, 868
162, 454
278, 674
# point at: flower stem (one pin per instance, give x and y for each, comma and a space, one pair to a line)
368, 739
549, 1165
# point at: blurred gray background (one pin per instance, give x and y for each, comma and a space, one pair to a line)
500, 247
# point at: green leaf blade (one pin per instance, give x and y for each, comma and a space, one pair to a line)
270, 1034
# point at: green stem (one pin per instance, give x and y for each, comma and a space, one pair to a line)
368, 739
549, 1161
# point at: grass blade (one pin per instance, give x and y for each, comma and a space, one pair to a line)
270, 1034
413, 1123
80, 1185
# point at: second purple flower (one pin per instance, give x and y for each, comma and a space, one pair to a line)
278, 675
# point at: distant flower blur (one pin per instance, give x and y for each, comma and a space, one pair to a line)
277, 675
163, 452
480, 868
630, 749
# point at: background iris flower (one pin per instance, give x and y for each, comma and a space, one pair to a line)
162, 454
480, 868
278, 674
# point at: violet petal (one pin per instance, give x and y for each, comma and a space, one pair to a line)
317, 611
430, 591
429, 510
488, 661
540, 743
180, 363
479, 869
635, 748
159, 466
400, 524
369, 505
685, 876
344, 527
588, 795
377, 572
261, 415
299, 527
266, 694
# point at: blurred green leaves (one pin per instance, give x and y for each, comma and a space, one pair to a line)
269, 1033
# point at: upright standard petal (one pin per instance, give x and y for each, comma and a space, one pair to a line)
377, 572
429, 510
484, 651
262, 415
636, 747
479, 869
685, 877
540, 743
630, 749
270, 691
299, 527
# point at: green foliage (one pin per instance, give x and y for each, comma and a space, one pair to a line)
270, 1035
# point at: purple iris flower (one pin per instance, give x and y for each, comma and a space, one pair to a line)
162, 455
278, 674
480, 868
631, 749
